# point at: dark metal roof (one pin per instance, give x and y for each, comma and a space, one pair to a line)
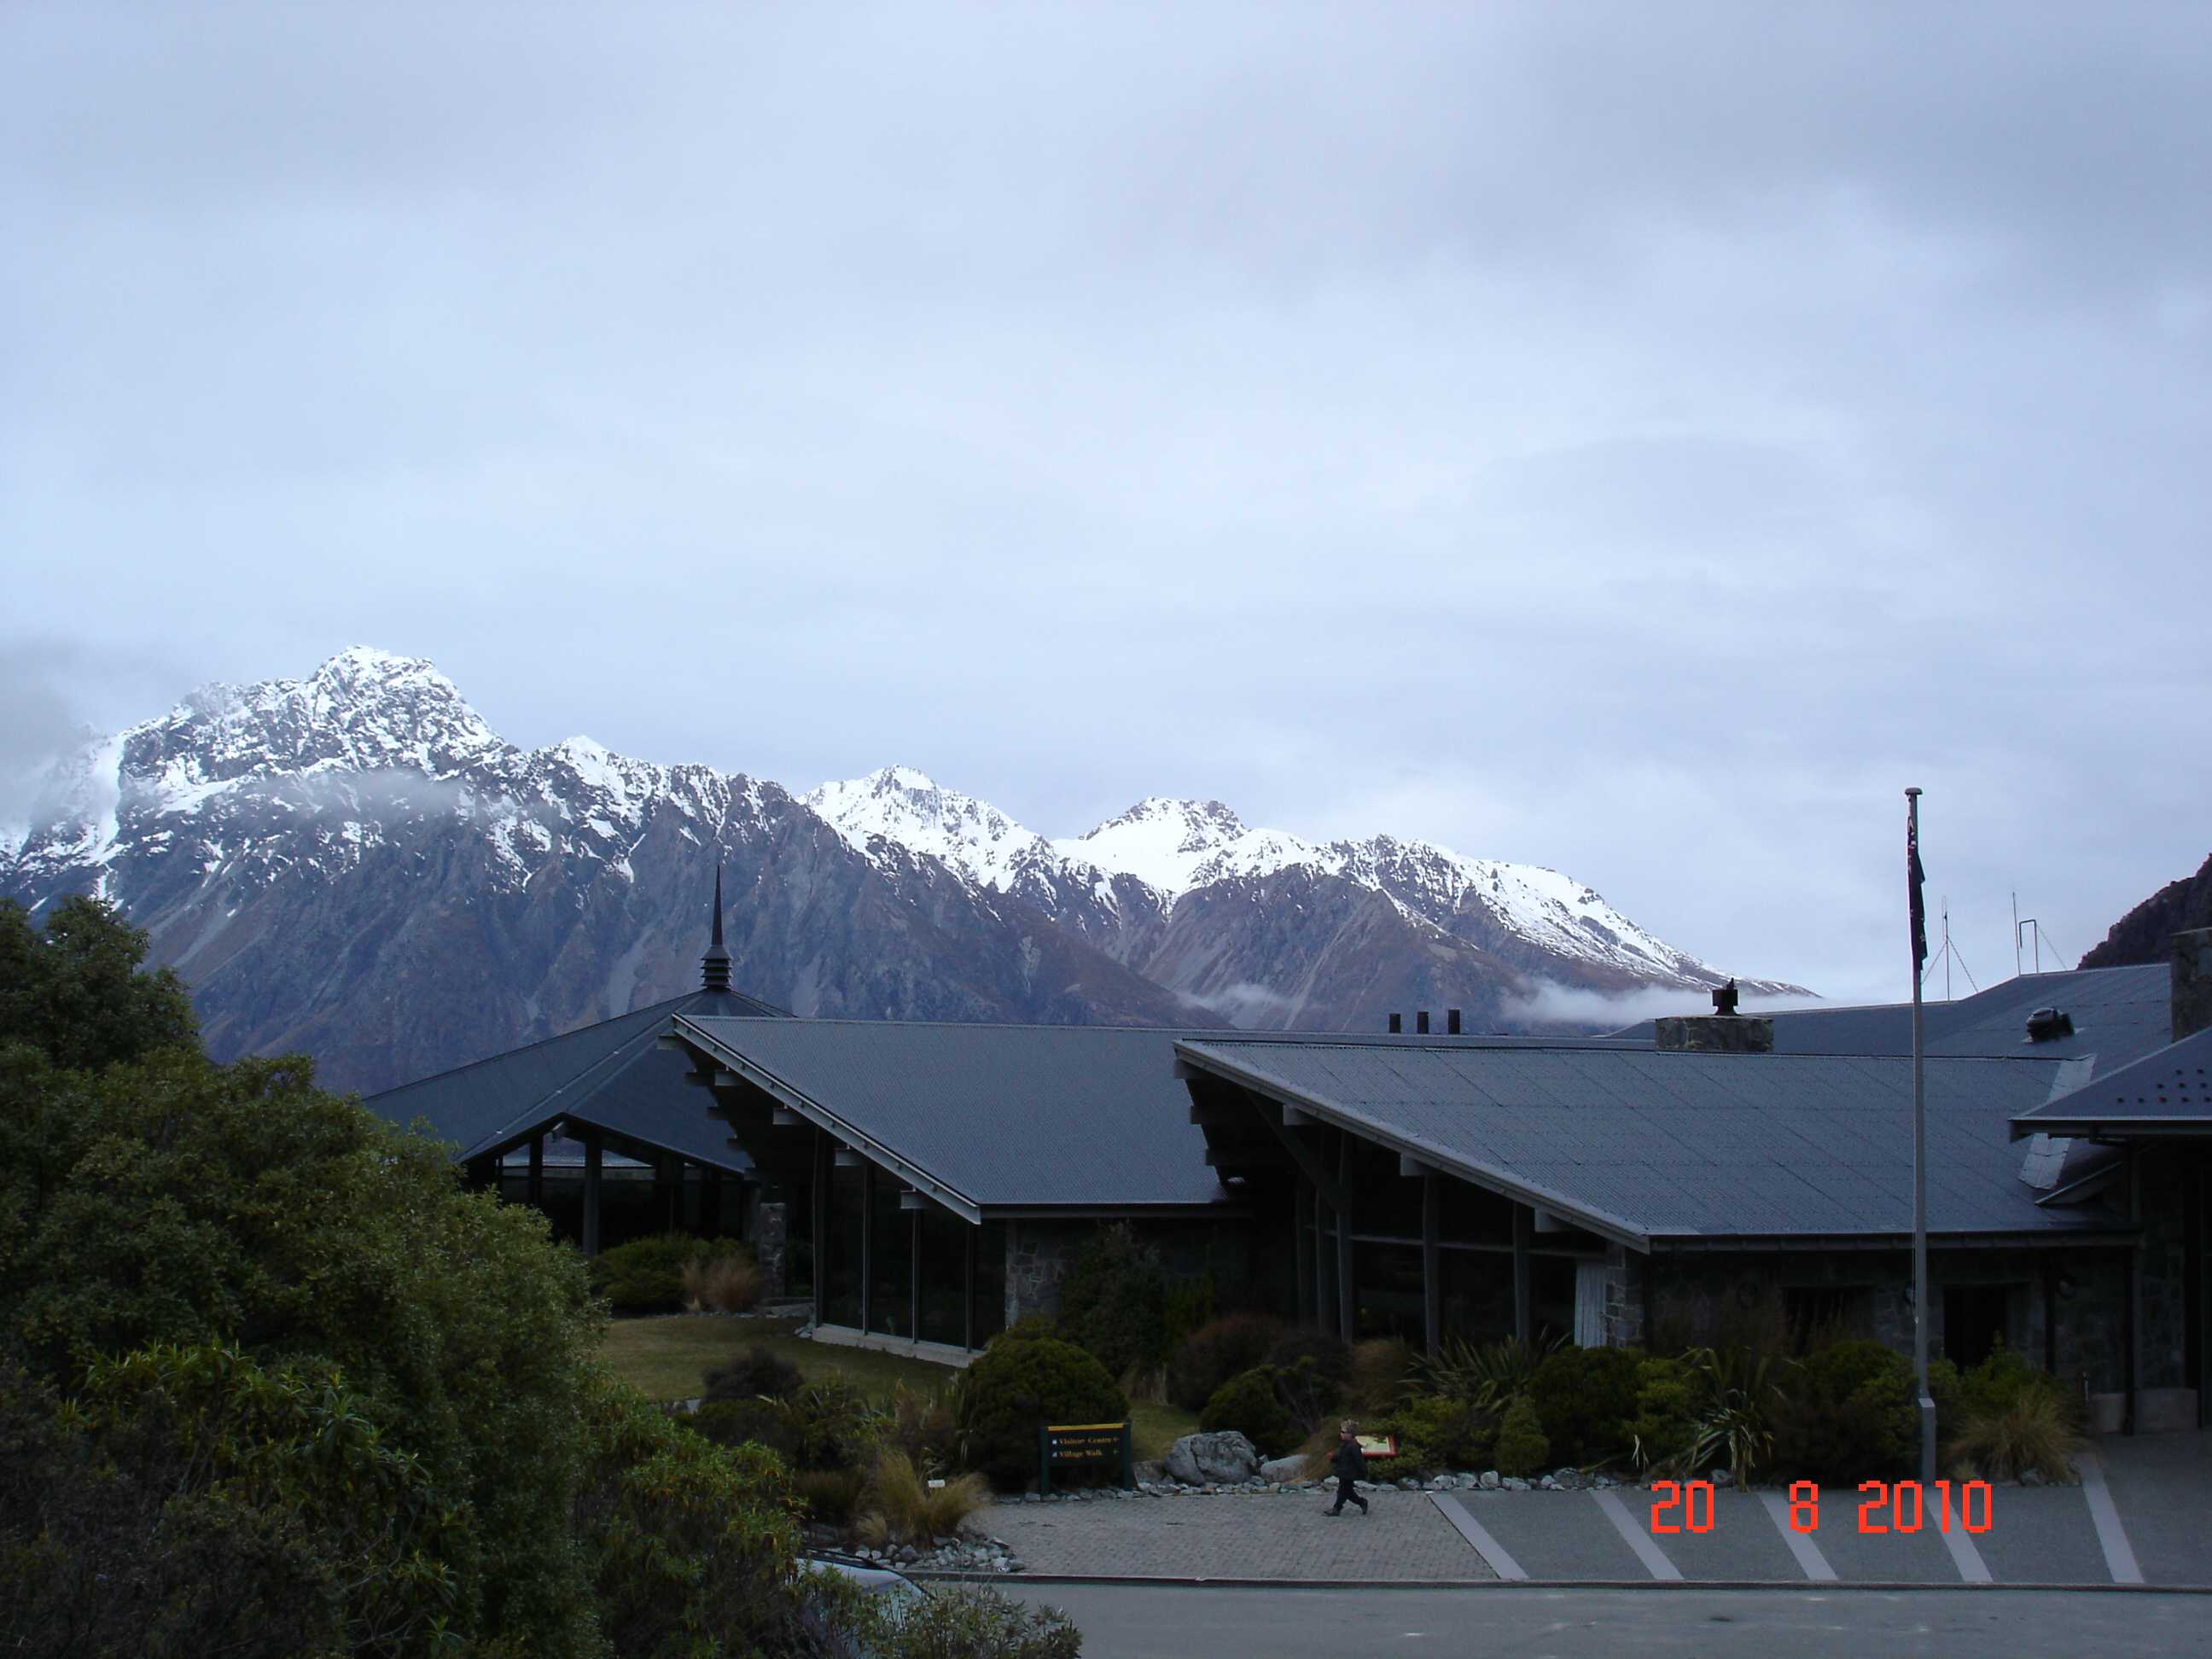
2119, 1015
2166, 1093
1643, 1145
610, 1075
1005, 1117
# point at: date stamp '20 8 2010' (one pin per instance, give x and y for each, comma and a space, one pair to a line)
1886, 1511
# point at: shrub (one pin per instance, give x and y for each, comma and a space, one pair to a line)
967, 1622
758, 1372
1664, 1425
1435, 1434
1015, 1388
1331, 1355
1113, 1301
1189, 1309
1376, 1378
1483, 1374
2034, 1431
1734, 1395
1850, 1417
1991, 1387
1585, 1398
1216, 1351
910, 1507
922, 1424
837, 1425
766, 1423
1522, 1448
646, 1274
1246, 1403
724, 1283
831, 1496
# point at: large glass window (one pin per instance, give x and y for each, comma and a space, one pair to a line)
1467, 1214
989, 1293
840, 1279
1387, 1290
1478, 1295
943, 1276
1551, 1297
891, 1276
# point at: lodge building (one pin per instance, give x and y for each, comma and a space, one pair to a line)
925, 1184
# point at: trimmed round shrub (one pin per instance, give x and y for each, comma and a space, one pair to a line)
1113, 1301
1435, 1434
1016, 1387
762, 1422
1216, 1351
1584, 1397
1664, 1426
756, 1372
646, 1274
1246, 1403
1848, 1415
1522, 1448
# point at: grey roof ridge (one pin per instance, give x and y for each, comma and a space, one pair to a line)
800, 1101
1618, 1228
509, 1054
1237, 1034
629, 1052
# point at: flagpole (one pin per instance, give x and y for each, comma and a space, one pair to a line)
1913, 879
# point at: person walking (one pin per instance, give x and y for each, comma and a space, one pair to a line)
1348, 1465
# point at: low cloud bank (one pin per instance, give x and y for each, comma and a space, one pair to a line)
1553, 1003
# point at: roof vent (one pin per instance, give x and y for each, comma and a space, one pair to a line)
2048, 1024
1724, 998
1421, 1023
1397, 1024
1451, 1022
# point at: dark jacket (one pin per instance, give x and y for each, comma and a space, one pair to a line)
1350, 1463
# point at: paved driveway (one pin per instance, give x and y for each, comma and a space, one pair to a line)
2137, 1518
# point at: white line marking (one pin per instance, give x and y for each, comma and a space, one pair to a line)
1476, 1534
2119, 1554
1648, 1553
1809, 1558
1971, 1568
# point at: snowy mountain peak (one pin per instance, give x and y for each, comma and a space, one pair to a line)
907, 809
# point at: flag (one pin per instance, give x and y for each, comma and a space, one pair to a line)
1914, 876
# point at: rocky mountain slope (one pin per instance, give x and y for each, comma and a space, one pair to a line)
2146, 933
355, 864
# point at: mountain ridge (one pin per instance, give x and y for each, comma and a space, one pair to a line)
356, 863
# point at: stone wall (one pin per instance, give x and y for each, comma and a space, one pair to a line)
1623, 1297
1037, 1254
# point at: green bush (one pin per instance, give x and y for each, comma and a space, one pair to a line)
1330, 1353
1663, 1427
758, 1372
1246, 1403
1848, 1416
969, 1622
1522, 1448
646, 1274
1985, 1390
1189, 1309
831, 1496
766, 1423
1437, 1435
1014, 1388
838, 1425
1113, 1301
1216, 1351
1585, 1398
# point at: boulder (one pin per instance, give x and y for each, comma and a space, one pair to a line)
1199, 1459
1490, 1480
1284, 1468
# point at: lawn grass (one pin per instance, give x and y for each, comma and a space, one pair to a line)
667, 1359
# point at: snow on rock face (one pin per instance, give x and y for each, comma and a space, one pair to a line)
907, 809
1163, 843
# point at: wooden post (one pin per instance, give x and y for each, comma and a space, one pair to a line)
1303, 1219
821, 1228
968, 1286
710, 1201
867, 1243
537, 1171
913, 1278
590, 1192
1347, 1300
1523, 1220
1432, 1287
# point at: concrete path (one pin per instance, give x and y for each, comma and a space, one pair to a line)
2136, 1519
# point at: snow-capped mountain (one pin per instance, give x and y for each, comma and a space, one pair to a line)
1172, 847
356, 864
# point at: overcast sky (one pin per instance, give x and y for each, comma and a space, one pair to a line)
1638, 440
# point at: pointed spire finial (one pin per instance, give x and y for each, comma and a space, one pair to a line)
714, 966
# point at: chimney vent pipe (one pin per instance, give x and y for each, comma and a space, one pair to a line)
1451, 1022
1397, 1024
1421, 1023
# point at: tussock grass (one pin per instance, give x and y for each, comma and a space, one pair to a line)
727, 1284
2036, 1430
899, 1504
